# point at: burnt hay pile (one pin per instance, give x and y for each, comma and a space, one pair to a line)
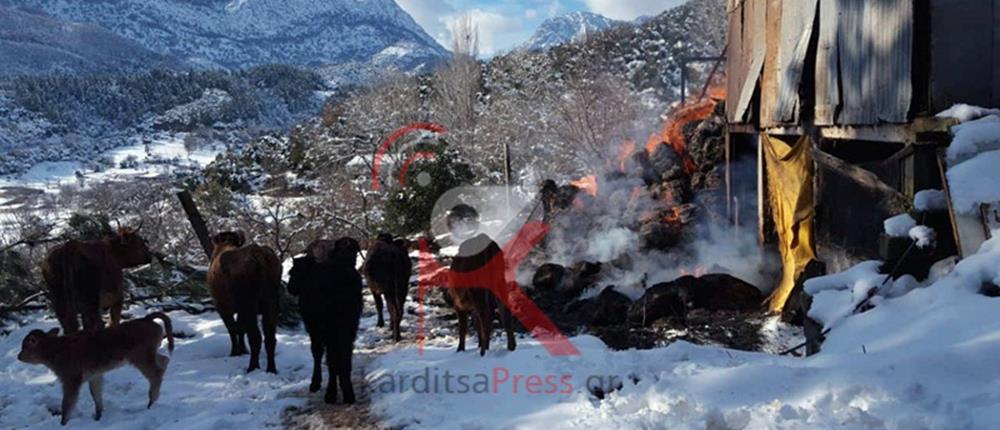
656, 196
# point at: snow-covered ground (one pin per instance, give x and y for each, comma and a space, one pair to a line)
160, 157
924, 357
923, 360
203, 387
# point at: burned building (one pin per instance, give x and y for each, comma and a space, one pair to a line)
831, 123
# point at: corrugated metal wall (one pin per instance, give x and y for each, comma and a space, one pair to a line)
863, 60
827, 63
865, 51
744, 55
797, 18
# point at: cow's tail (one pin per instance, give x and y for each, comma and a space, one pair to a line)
167, 327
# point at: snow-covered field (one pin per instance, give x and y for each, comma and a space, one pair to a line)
922, 360
204, 387
160, 157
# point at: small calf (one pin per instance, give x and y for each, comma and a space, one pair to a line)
477, 277
85, 356
388, 269
329, 290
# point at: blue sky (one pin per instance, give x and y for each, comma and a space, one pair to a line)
504, 24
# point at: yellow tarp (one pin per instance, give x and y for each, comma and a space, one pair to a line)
790, 187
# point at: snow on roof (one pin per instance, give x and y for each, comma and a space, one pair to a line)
964, 112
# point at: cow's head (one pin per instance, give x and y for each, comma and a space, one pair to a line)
229, 240
132, 248
300, 274
34, 346
346, 251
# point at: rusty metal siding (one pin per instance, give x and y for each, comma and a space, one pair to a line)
852, 56
736, 62
797, 17
964, 53
892, 30
745, 55
769, 77
864, 62
827, 86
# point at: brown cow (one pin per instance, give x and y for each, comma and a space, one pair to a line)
478, 275
387, 269
86, 356
245, 281
86, 277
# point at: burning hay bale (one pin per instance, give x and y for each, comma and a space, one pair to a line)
607, 308
570, 283
642, 216
714, 292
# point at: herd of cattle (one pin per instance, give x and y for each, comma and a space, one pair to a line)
245, 281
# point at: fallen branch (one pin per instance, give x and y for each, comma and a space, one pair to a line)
31, 242
24, 305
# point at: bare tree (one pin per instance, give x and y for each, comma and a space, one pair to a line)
594, 114
458, 100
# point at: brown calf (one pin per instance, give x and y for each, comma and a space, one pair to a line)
477, 276
85, 277
86, 356
245, 281
387, 269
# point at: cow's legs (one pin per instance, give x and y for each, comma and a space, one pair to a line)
507, 319
270, 323
378, 309
67, 317
317, 346
463, 329
235, 341
116, 312
247, 320
91, 313
395, 316
344, 372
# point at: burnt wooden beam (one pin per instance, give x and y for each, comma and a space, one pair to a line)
894, 199
197, 222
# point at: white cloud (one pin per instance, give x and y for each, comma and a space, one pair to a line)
630, 9
531, 14
496, 30
431, 15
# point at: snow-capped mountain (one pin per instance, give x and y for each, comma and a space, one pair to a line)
237, 34
567, 28
35, 44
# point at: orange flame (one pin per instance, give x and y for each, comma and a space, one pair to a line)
626, 151
587, 183
697, 272
673, 127
674, 217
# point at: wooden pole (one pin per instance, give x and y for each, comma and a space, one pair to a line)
868, 180
507, 176
197, 222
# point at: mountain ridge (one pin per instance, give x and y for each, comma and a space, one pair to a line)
245, 33
570, 27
